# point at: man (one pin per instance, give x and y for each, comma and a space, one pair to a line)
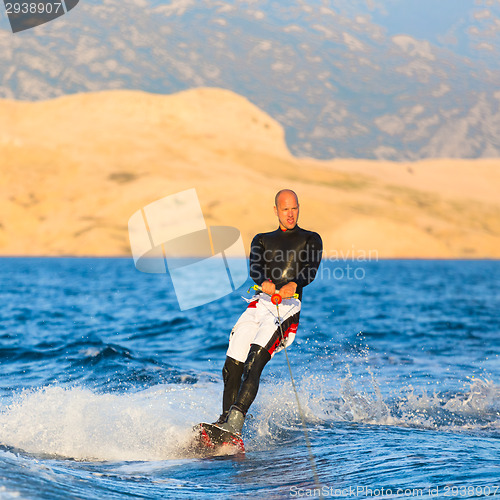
282, 261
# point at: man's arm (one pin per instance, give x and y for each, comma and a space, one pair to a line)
257, 268
310, 266
257, 271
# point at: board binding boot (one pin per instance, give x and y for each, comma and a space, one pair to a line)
222, 418
210, 439
221, 439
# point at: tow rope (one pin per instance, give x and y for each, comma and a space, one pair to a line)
276, 299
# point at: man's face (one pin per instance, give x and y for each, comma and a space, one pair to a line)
287, 210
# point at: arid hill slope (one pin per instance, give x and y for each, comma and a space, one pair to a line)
74, 169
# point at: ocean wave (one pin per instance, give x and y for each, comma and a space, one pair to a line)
81, 424
155, 424
475, 408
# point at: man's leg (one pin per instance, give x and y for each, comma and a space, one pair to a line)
241, 336
257, 359
267, 343
231, 375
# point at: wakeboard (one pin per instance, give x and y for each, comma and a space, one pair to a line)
210, 439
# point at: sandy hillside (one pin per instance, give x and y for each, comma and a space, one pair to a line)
74, 169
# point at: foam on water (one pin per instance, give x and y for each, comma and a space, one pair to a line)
6, 493
155, 424
80, 424
477, 407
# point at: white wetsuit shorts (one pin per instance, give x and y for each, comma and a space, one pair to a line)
259, 325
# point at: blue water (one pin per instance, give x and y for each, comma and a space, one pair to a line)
102, 377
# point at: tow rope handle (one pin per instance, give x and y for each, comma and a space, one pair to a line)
276, 298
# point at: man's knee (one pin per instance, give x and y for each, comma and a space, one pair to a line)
232, 369
257, 358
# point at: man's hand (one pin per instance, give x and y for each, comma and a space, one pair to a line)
288, 290
268, 287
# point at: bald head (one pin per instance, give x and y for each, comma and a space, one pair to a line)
287, 209
285, 193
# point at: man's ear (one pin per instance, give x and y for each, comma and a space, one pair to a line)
275, 211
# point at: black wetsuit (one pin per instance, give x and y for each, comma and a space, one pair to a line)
283, 257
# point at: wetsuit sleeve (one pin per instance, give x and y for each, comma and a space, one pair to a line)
310, 265
257, 271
